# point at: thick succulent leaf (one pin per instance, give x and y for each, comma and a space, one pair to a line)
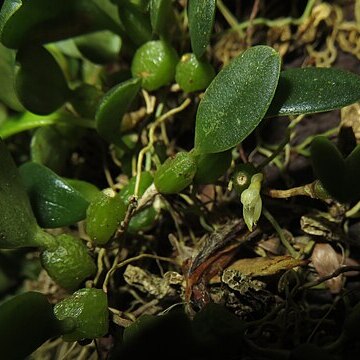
237, 100
113, 107
28, 121
17, 222
43, 21
312, 90
40, 83
201, 14
7, 71
100, 47
54, 202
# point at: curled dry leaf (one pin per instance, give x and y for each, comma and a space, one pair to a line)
151, 284
325, 262
262, 266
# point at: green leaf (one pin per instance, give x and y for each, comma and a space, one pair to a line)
328, 165
54, 202
27, 318
28, 121
237, 99
144, 337
41, 21
312, 90
87, 190
18, 225
40, 83
7, 71
113, 107
219, 331
50, 147
160, 13
136, 23
201, 14
100, 47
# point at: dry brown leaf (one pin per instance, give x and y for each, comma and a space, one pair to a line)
262, 266
325, 262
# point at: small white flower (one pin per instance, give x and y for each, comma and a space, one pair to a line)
251, 200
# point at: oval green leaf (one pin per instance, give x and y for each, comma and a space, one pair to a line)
201, 14
40, 83
113, 107
329, 167
100, 47
237, 100
54, 202
29, 318
41, 21
51, 147
160, 13
352, 163
312, 90
18, 225
136, 23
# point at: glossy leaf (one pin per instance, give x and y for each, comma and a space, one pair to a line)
201, 14
100, 47
41, 21
89, 310
28, 121
54, 202
237, 100
88, 190
113, 107
7, 71
312, 90
18, 227
209, 167
40, 83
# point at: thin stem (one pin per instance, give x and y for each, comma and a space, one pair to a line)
228, 16
279, 149
149, 146
277, 22
280, 232
336, 273
130, 260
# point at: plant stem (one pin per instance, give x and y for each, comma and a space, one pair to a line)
278, 22
280, 232
229, 17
